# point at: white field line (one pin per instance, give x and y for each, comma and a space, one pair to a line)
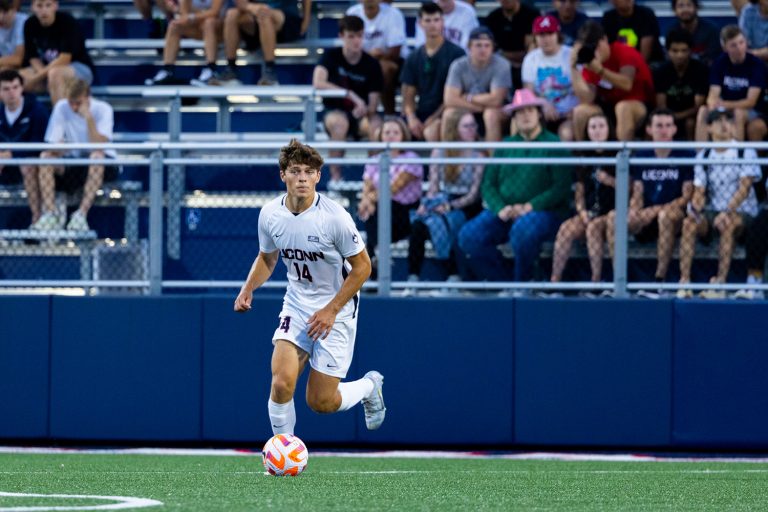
391, 454
123, 502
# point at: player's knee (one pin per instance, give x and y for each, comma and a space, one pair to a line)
282, 388
322, 404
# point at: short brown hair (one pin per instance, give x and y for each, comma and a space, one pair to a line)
78, 88
729, 32
296, 153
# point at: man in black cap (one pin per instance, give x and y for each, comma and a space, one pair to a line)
480, 82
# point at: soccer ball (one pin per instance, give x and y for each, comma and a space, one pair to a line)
285, 454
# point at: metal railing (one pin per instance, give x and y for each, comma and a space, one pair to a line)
159, 157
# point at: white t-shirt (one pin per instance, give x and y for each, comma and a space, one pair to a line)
722, 181
313, 245
458, 24
12, 37
12, 115
383, 32
551, 77
65, 125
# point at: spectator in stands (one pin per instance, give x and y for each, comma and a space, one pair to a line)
525, 203
54, 51
261, 25
405, 186
753, 22
11, 35
24, 120
636, 26
512, 28
424, 75
453, 197
547, 72
706, 36
738, 6
570, 17
383, 39
681, 83
756, 241
736, 82
459, 18
352, 69
723, 199
154, 27
659, 193
479, 82
613, 76
594, 198
84, 119
196, 20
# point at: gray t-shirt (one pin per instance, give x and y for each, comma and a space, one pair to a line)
470, 80
12, 37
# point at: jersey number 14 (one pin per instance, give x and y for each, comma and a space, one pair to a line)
303, 272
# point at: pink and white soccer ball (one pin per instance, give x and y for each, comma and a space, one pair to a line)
285, 455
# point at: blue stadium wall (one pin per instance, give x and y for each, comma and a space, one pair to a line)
591, 373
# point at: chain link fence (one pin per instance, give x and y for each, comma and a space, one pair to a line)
462, 218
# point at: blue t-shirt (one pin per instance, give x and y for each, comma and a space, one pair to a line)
736, 79
662, 183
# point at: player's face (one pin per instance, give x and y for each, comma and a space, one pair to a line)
467, 128
722, 129
547, 42
603, 49
300, 180
597, 129
662, 128
736, 48
432, 24
45, 11
10, 93
352, 41
685, 10
679, 54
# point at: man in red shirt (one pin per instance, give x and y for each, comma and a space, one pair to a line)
609, 76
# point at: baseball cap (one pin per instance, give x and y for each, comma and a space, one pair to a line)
546, 25
717, 113
481, 32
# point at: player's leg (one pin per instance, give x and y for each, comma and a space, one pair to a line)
595, 243
570, 231
730, 225
629, 113
670, 218
688, 245
32, 187
288, 361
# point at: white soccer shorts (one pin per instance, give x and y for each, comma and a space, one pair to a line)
330, 356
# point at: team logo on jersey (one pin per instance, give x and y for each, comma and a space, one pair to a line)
313, 238
354, 238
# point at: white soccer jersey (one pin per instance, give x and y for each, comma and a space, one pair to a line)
383, 32
314, 246
722, 179
458, 24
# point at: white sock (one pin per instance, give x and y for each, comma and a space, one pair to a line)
353, 392
282, 417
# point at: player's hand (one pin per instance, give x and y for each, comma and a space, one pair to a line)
416, 127
243, 301
85, 108
584, 216
320, 324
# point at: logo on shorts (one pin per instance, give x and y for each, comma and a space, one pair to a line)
313, 238
329, 365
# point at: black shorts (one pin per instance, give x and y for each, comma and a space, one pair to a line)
10, 175
649, 233
74, 176
291, 31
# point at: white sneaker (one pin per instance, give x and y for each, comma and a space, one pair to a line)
77, 222
162, 77
749, 295
374, 403
47, 222
204, 79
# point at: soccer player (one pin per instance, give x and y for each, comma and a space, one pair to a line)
327, 265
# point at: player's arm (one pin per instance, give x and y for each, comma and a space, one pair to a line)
319, 325
262, 268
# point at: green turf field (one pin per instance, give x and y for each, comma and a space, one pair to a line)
231, 483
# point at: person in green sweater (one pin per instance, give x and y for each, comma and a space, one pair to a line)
525, 203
